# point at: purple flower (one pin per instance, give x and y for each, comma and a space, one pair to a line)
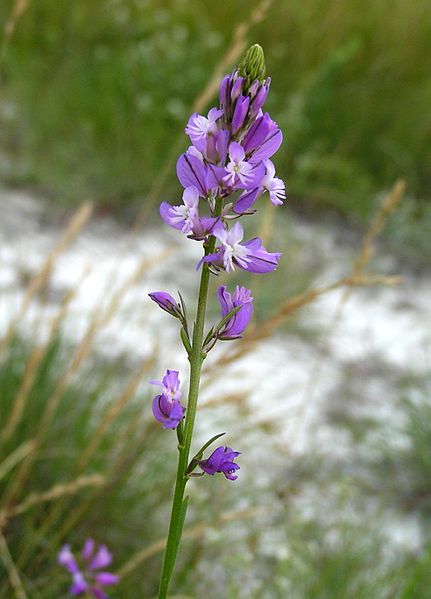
221, 460
250, 255
240, 173
207, 138
88, 578
186, 217
199, 127
166, 302
274, 185
167, 408
236, 325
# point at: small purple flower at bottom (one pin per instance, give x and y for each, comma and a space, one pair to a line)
221, 460
167, 408
88, 578
236, 325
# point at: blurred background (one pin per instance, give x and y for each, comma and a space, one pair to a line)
334, 497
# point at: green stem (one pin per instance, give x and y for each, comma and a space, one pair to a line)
196, 357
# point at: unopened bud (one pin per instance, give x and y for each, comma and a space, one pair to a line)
252, 66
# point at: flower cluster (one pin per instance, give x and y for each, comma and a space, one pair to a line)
229, 159
88, 579
224, 171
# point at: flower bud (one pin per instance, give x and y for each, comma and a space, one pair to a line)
252, 66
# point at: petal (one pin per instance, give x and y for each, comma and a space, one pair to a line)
169, 216
66, 558
192, 172
270, 169
269, 147
106, 578
98, 593
224, 299
235, 234
216, 258
238, 323
247, 199
258, 132
171, 380
240, 113
79, 584
236, 152
214, 114
259, 260
191, 196
88, 550
102, 558
157, 411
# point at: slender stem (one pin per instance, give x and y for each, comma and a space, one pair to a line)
196, 358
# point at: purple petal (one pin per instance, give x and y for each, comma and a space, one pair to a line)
168, 216
257, 133
106, 578
269, 147
240, 113
238, 323
66, 558
171, 380
246, 199
88, 550
259, 260
225, 300
102, 558
79, 584
191, 171
157, 410
236, 152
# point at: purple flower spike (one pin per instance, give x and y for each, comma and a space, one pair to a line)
236, 325
166, 302
167, 408
87, 578
221, 460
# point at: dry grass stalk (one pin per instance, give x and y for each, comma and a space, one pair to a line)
189, 533
60, 490
113, 412
18, 10
12, 572
231, 56
76, 512
269, 326
74, 226
388, 206
97, 322
20, 453
34, 361
230, 398
20, 401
